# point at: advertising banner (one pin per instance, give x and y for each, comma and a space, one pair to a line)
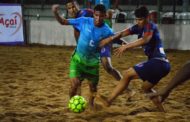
11, 24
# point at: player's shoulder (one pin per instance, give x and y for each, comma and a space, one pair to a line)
150, 25
86, 20
134, 27
85, 12
89, 10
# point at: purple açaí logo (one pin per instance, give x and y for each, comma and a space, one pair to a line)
10, 24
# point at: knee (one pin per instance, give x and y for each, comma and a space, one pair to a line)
127, 74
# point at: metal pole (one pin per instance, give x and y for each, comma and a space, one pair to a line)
159, 4
174, 9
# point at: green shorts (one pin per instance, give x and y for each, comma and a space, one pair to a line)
82, 70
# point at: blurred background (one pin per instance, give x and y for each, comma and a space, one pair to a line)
163, 11
172, 15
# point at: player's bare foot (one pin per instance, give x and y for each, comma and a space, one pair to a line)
103, 100
161, 94
158, 103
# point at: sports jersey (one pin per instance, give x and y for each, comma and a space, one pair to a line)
154, 48
106, 3
84, 13
89, 38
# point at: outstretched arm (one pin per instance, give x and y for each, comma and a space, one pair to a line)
139, 42
60, 19
115, 37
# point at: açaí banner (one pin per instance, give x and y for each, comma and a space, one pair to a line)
11, 24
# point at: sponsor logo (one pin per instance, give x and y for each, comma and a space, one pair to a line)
10, 23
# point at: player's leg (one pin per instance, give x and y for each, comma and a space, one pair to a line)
93, 82
75, 87
92, 74
148, 88
122, 85
105, 55
106, 63
75, 76
92, 95
152, 72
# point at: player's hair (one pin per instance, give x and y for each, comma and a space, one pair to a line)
100, 7
141, 12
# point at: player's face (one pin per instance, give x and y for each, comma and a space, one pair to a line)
99, 18
140, 22
72, 9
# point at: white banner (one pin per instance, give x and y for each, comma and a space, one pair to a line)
11, 24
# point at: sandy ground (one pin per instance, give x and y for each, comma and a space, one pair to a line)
34, 86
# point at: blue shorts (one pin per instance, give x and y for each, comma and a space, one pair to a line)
106, 51
152, 70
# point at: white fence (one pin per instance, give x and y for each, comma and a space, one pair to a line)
52, 33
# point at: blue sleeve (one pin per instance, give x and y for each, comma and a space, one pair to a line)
133, 29
76, 22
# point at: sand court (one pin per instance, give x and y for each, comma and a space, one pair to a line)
34, 86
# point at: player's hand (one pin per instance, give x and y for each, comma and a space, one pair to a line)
55, 8
119, 51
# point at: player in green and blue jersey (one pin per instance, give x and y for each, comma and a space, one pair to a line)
85, 60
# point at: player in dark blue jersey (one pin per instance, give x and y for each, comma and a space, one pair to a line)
151, 71
74, 12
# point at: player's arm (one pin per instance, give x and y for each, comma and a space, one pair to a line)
60, 19
139, 42
115, 37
